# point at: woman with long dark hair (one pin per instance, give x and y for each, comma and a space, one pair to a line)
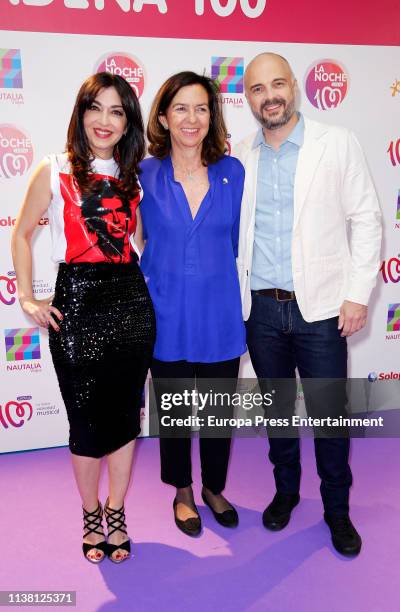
190, 217
100, 320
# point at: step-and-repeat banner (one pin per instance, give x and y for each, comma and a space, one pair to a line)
347, 68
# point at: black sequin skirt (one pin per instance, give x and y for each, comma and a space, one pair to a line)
102, 353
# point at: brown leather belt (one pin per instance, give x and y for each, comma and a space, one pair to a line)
281, 295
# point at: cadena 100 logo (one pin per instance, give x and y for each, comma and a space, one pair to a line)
16, 153
326, 84
16, 413
125, 66
390, 270
8, 288
394, 152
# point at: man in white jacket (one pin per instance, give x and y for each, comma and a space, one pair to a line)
310, 234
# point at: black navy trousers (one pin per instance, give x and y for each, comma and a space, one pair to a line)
279, 340
175, 451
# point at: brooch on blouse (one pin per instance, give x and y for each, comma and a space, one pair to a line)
225, 180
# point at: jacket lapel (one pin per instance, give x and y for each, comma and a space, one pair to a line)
251, 167
309, 158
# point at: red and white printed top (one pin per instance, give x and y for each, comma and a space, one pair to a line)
92, 229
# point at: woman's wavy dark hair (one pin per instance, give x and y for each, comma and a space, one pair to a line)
128, 152
214, 143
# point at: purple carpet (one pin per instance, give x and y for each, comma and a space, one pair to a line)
247, 568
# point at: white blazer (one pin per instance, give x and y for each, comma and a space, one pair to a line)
337, 222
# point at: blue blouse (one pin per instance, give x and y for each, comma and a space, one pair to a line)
189, 264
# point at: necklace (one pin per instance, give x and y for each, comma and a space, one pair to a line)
188, 173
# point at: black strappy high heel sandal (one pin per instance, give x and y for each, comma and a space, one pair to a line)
92, 523
116, 522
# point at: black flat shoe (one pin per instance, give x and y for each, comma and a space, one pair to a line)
345, 537
92, 523
277, 515
192, 526
228, 518
116, 522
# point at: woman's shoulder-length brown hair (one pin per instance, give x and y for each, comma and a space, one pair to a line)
214, 144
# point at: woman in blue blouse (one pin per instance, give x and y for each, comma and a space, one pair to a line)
190, 214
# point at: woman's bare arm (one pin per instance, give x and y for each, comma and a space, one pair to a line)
36, 202
139, 232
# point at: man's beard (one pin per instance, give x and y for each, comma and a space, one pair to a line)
275, 122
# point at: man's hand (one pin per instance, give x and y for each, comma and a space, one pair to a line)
352, 317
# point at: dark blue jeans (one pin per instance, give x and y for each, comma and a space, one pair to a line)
279, 340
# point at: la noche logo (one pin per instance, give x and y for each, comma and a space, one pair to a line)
126, 66
16, 152
326, 84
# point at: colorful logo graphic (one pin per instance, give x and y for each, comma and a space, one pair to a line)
395, 87
10, 69
16, 413
390, 270
8, 288
22, 344
393, 319
16, 153
326, 84
126, 66
228, 73
398, 207
372, 376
